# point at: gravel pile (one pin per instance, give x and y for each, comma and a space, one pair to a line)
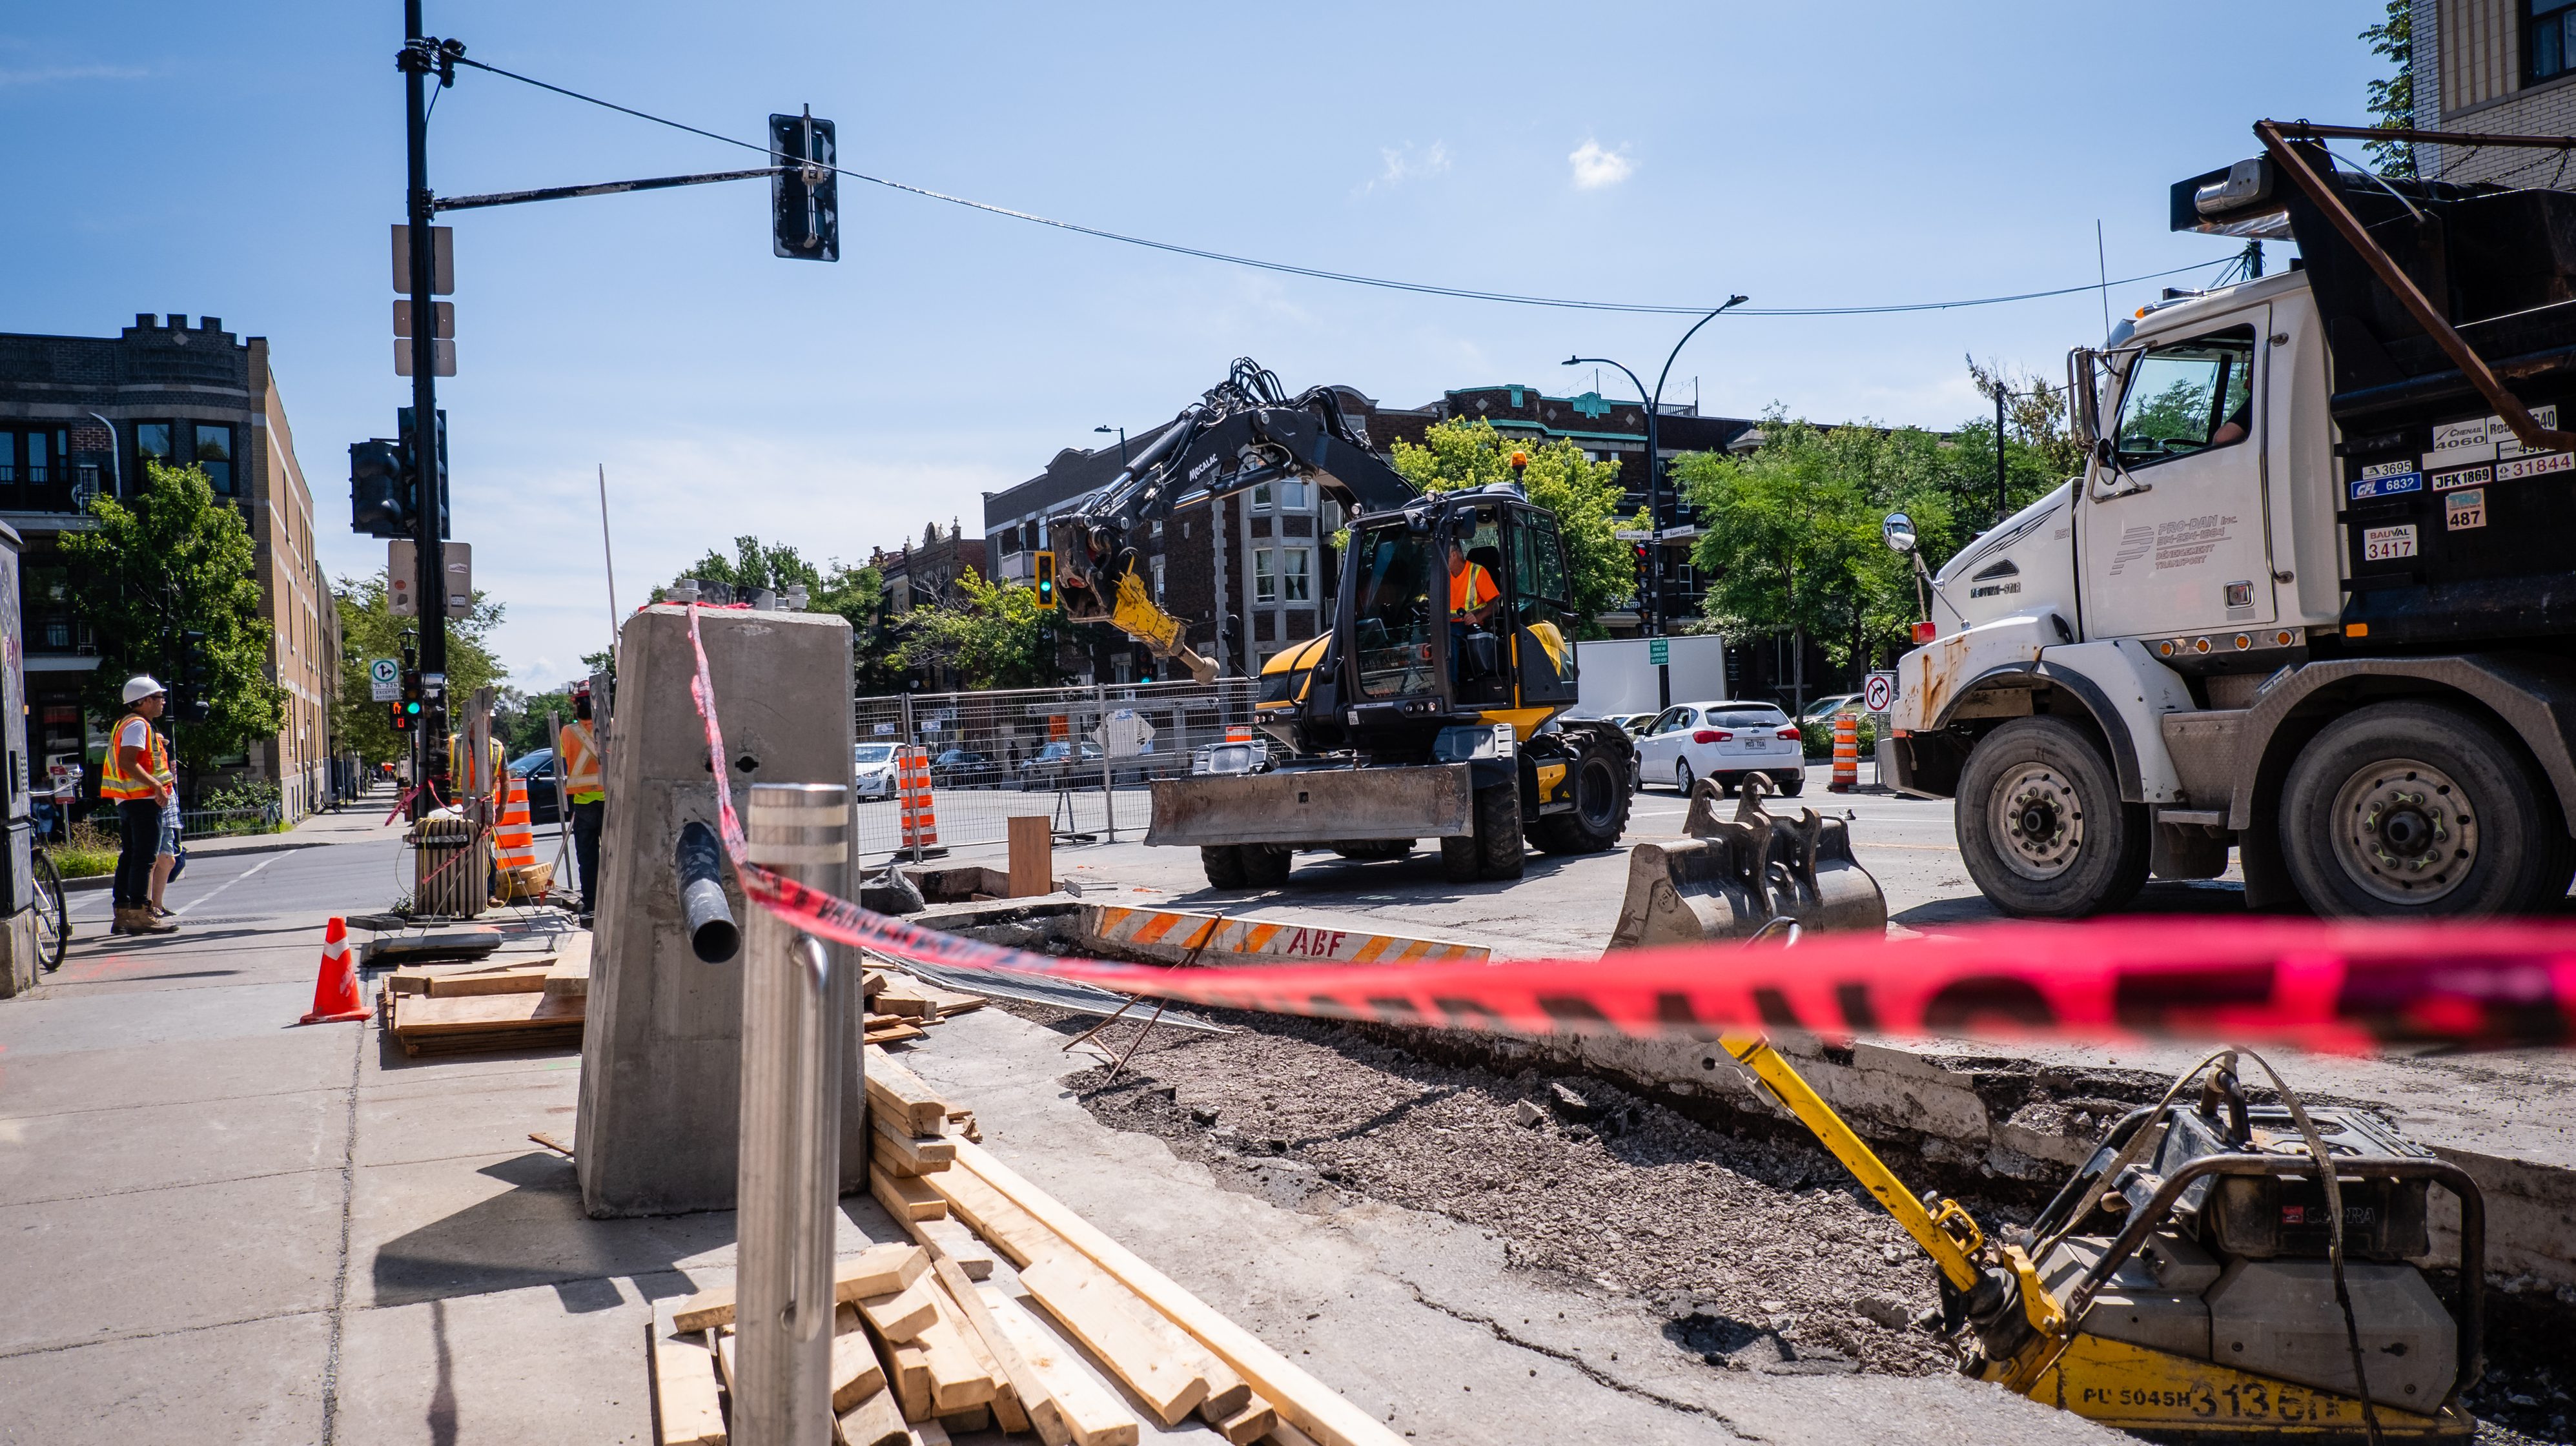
1759, 1254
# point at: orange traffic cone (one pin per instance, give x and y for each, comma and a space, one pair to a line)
335, 990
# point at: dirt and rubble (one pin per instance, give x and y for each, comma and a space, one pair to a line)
1747, 1240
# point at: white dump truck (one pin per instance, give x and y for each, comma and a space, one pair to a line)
2314, 595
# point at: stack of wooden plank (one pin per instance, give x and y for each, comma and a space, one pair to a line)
901, 1007
514, 1002
1080, 1342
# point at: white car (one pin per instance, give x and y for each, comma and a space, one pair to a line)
872, 773
1723, 741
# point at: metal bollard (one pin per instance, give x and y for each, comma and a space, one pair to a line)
794, 1011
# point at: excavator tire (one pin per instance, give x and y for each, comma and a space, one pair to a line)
1600, 812
1498, 832
1224, 866
1461, 861
1265, 866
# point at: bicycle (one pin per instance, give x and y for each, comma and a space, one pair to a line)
53, 915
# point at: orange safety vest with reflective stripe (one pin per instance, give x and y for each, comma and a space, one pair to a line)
115, 782
1470, 588
580, 758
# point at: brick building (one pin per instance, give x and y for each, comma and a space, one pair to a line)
78, 417
2498, 66
925, 574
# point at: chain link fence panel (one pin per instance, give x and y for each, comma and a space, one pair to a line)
1084, 756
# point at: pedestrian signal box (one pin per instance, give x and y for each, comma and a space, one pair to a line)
1044, 581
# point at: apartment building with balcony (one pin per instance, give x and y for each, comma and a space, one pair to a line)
79, 416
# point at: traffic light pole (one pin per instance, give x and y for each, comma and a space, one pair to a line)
417, 63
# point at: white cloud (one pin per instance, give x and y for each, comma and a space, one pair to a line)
1595, 167
43, 74
1408, 162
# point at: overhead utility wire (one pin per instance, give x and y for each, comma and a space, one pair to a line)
1423, 288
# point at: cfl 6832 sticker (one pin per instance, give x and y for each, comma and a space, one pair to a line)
2387, 485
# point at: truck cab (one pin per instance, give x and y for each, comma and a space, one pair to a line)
2271, 615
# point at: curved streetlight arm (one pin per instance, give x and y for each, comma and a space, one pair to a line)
1607, 362
1657, 402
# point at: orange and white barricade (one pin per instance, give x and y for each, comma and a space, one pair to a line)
514, 845
912, 789
1846, 753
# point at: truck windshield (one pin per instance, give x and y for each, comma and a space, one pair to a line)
1392, 624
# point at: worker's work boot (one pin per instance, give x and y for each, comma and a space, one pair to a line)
124, 917
140, 921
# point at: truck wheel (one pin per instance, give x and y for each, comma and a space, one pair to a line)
2041, 824
1224, 866
1265, 866
2417, 810
1498, 832
1600, 812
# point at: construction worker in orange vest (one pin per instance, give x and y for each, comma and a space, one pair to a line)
577, 754
136, 777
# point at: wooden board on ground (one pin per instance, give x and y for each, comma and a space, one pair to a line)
906, 1199
876, 1270
902, 1316
462, 943
571, 972
874, 1421
1091, 1413
897, 1093
891, 1034
684, 1384
1166, 1370
508, 979
1302, 1401
1032, 842
919, 1154
856, 1372
1003, 1225
431, 1024
949, 1240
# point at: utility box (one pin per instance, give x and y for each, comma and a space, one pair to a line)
660, 1084
17, 871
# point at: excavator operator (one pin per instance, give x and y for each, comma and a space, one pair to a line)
1472, 595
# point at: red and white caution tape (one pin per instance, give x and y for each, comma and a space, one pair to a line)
2341, 987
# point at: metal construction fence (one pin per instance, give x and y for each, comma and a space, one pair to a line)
1083, 755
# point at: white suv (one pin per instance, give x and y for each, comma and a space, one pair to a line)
1723, 741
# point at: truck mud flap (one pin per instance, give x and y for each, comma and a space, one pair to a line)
1733, 877
1316, 806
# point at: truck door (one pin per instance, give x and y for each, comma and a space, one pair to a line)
1542, 657
2173, 539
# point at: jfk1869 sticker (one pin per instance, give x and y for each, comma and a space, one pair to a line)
2387, 544
2465, 477
2464, 510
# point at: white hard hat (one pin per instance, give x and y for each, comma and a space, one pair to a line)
140, 687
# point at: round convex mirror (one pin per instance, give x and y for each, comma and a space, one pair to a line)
1898, 529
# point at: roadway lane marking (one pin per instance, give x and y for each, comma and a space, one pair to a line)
226, 884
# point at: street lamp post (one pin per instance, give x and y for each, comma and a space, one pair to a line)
1653, 602
1122, 441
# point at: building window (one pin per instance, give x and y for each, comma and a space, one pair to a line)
214, 453
1293, 495
1261, 497
1265, 575
1158, 582
151, 441
2549, 50
1297, 566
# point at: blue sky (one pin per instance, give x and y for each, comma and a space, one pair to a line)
246, 161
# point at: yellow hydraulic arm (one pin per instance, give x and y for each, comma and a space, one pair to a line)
1946, 1232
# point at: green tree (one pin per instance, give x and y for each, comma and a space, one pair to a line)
522, 724
1560, 477
368, 630
995, 636
177, 558
1789, 534
855, 593
2392, 98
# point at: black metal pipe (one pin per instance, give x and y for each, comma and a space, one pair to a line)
713, 935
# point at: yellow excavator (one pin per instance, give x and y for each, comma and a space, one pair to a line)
2206, 1276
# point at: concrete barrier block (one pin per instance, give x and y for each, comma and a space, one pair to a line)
659, 1118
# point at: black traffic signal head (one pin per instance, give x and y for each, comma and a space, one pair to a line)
410, 459
191, 680
380, 489
804, 192
395, 716
1044, 581
409, 706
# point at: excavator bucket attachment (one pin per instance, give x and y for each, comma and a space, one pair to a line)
1733, 877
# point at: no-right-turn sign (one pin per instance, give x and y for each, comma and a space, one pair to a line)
1878, 695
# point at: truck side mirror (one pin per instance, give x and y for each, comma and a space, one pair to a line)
1898, 530
2082, 402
